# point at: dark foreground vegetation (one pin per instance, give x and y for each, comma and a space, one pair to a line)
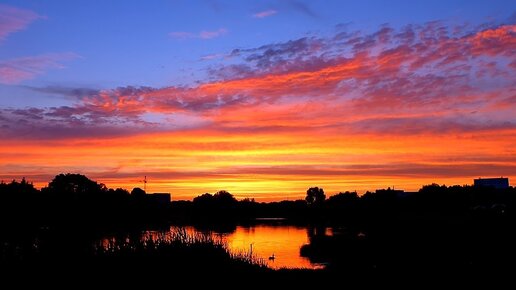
459, 231
176, 252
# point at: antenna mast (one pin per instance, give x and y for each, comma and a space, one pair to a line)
145, 183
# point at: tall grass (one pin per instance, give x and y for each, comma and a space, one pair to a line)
181, 247
180, 238
247, 257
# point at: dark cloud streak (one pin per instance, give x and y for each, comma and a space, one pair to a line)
303, 8
75, 93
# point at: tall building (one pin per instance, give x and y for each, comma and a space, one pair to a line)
498, 183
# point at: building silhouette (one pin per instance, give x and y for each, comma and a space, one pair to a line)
498, 183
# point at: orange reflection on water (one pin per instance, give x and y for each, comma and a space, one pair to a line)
264, 240
282, 241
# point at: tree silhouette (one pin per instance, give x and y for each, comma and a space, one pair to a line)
137, 192
20, 188
344, 197
315, 195
76, 184
118, 192
221, 198
203, 199
224, 197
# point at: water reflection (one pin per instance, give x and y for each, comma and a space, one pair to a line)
279, 245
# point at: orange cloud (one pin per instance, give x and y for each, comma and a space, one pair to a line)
267, 164
349, 112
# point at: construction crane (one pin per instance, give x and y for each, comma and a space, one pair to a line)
144, 180
145, 183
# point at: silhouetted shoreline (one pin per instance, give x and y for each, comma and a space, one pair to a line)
438, 229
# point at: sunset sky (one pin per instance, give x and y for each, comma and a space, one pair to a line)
260, 98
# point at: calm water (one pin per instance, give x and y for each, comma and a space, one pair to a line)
265, 240
284, 242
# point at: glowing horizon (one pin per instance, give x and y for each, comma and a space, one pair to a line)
346, 109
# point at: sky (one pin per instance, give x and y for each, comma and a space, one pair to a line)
263, 99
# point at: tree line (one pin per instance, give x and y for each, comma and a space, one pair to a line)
75, 197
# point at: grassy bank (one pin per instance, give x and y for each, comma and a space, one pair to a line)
175, 252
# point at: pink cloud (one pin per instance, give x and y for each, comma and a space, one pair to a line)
181, 34
496, 41
385, 70
14, 71
266, 13
212, 34
205, 34
14, 19
421, 79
